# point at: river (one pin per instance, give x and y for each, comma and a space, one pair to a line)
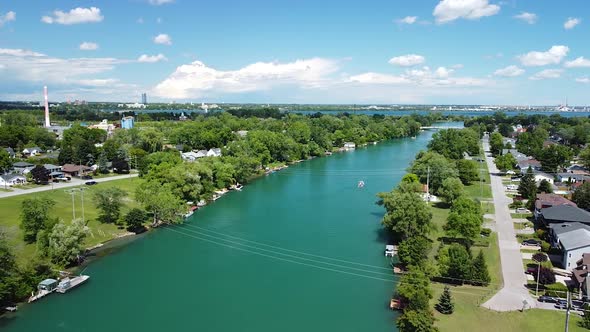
300, 249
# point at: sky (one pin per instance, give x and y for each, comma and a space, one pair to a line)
515, 52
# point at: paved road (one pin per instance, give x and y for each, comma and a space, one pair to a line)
513, 293
61, 185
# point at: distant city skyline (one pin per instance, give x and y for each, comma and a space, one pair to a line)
371, 52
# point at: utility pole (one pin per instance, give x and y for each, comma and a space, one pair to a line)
567, 312
73, 193
428, 185
81, 189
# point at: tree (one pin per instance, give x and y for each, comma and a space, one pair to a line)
582, 196
40, 174
410, 178
554, 157
135, 218
34, 216
407, 214
545, 187
5, 162
506, 162
65, 242
528, 187
8, 274
455, 263
468, 171
505, 129
480, 274
463, 225
159, 199
414, 289
496, 143
433, 166
585, 157
451, 189
416, 321
109, 201
546, 276
103, 163
414, 250
445, 302
453, 143
585, 323
120, 165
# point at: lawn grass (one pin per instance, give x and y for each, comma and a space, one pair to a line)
10, 207
521, 215
488, 207
5, 190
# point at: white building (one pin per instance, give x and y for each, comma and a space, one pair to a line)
215, 152
135, 105
9, 180
104, 125
349, 145
540, 176
573, 239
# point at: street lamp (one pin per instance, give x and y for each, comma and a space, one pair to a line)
539, 258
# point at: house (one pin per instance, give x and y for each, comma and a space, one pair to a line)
189, 156
548, 143
572, 178
242, 133
10, 152
75, 170
32, 151
580, 276
517, 155
58, 131
524, 165
215, 152
564, 213
573, 239
577, 169
52, 168
20, 166
540, 176
103, 125
349, 145
9, 180
507, 140
544, 201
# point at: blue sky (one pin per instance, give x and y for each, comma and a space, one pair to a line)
263, 51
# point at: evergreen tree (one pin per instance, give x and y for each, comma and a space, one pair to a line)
545, 187
102, 163
445, 302
528, 187
480, 274
585, 323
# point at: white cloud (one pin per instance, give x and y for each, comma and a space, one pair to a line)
584, 80
457, 66
195, 80
407, 60
139, 20
152, 58
552, 56
442, 72
450, 10
159, 20
407, 20
88, 46
74, 16
377, 78
529, 18
579, 62
160, 2
18, 52
510, 71
546, 74
8, 17
571, 23
163, 39
424, 77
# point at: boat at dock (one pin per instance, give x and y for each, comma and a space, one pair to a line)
44, 288
68, 283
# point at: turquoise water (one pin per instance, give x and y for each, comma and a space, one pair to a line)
206, 276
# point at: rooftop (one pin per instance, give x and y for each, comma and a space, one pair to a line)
566, 213
548, 200
572, 235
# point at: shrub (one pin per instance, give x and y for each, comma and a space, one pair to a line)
546, 276
486, 232
541, 234
545, 246
516, 204
556, 290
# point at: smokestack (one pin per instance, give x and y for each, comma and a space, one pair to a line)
47, 123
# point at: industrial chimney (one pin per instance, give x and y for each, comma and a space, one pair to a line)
47, 123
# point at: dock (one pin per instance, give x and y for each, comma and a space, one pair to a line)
390, 250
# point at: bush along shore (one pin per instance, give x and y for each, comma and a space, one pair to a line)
250, 144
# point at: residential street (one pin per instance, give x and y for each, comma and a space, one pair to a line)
513, 294
62, 185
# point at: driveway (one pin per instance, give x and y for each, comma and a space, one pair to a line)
513, 294
61, 185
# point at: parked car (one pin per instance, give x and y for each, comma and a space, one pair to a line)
531, 242
522, 210
531, 270
86, 177
511, 172
561, 304
91, 183
579, 304
548, 299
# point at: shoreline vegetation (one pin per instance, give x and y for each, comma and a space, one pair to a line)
253, 144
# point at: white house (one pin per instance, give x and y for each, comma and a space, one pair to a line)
215, 152
573, 239
11, 180
189, 156
33, 151
540, 176
349, 145
571, 177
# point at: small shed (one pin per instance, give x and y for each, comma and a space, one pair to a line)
47, 285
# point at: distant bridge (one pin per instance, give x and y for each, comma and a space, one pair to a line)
441, 127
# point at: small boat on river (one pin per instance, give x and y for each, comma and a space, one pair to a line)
361, 184
68, 283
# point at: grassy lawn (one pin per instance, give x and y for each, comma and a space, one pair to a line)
521, 215
5, 190
488, 208
10, 207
